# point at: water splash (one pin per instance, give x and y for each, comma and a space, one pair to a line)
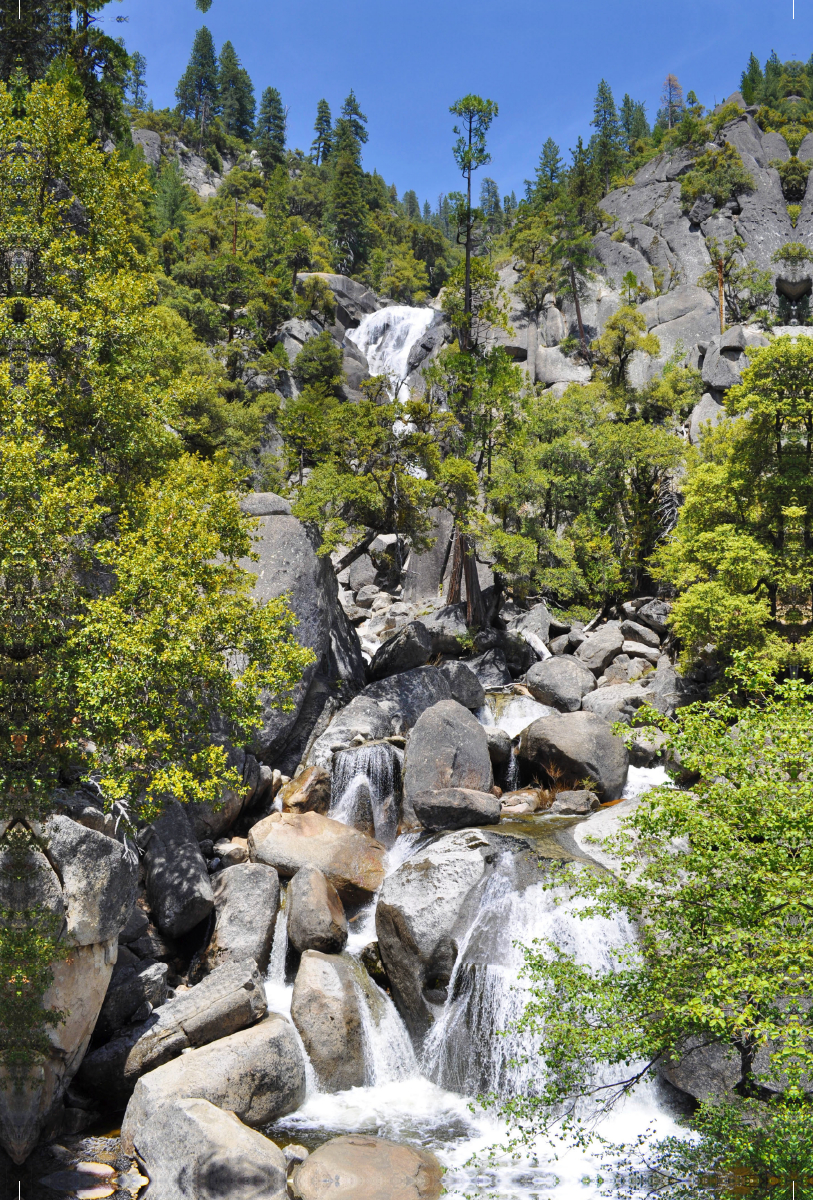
366, 790
510, 713
386, 339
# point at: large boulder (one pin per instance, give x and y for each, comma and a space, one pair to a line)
599, 649
359, 1167
178, 887
410, 648
466, 688
246, 900
325, 1010
447, 748
308, 792
352, 861
88, 889
616, 702
316, 919
456, 808
562, 682
230, 999
289, 565
192, 1150
258, 1074
353, 300
574, 747
421, 914
705, 1069
131, 988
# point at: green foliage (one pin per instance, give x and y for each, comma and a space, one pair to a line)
793, 175
793, 254
197, 91
236, 94
713, 881
607, 142
746, 288
269, 134
717, 173
323, 128
320, 364
624, 334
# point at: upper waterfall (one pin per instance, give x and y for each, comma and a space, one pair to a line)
386, 339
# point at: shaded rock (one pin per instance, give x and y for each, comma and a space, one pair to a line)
130, 988
353, 862
456, 808
424, 574
98, 882
258, 1074
446, 749
136, 926
316, 919
421, 913
707, 1071
655, 614
491, 669
465, 687
561, 682
232, 853
411, 647
308, 792
499, 745
636, 632
667, 691
362, 574
581, 746
231, 998
178, 887
192, 1150
578, 803
448, 630
599, 649
701, 210
358, 1167
246, 900
325, 1010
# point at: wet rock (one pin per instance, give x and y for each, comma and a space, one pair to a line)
456, 808
465, 687
577, 746
230, 999
192, 1149
325, 1010
410, 648
258, 1074
246, 900
308, 792
178, 887
499, 745
353, 862
316, 919
561, 682
599, 649
576, 803
358, 1167
130, 988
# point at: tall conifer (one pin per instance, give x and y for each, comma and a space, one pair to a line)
236, 92
269, 133
321, 145
197, 90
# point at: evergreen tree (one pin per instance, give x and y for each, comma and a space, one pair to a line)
269, 134
548, 174
321, 144
236, 94
173, 199
355, 119
632, 117
470, 153
490, 206
347, 212
136, 82
581, 182
671, 101
427, 212
411, 206
606, 142
197, 90
509, 205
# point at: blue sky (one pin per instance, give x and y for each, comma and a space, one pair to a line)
539, 59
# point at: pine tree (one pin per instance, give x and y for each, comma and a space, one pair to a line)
321, 144
548, 174
632, 117
427, 212
236, 94
752, 81
136, 82
476, 116
606, 142
197, 90
269, 134
490, 206
411, 206
640, 125
347, 212
581, 181
672, 101
355, 119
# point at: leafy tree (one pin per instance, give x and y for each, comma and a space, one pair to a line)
573, 257
136, 82
322, 143
270, 131
717, 173
739, 555
624, 335
745, 287
236, 94
713, 881
470, 153
197, 90
531, 240
607, 138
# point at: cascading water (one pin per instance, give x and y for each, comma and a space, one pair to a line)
366, 787
386, 339
511, 713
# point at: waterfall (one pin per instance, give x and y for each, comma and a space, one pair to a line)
278, 992
465, 1050
366, 790
511, 713
388, 1052
386, 339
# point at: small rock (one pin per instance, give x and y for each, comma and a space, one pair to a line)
308, 792
358, 1167
578, 803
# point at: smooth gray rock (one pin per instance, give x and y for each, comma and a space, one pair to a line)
316, 919
575, 803
707, 1071
617, 258
137, 925
231, 998
448, 629
655, 614
98, 881
446, 749
707, 412
192, 1150
246, 900
421, 915
499, 745
325, 1010
701, 210
733, 338
456, 808
615, 702
561, 682
552, 366
634, 631
410, 648
352, 861
353, 300
722, 369
130, 988
360, 1167
150, 142
666, 690
599, 649
425, 572
265, 504
178, 886
258, 1074
581, 746
491, 669
362, 574
641, 650
746, 136
465, 687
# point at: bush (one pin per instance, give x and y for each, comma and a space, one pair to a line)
718, 173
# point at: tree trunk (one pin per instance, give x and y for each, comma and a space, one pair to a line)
533, 343
721, 294
357, 551
582, 336
475, 610
456, 577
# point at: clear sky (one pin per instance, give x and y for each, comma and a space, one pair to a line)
541, 60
